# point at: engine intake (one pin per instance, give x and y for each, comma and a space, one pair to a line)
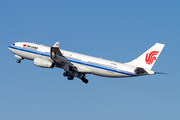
41, 62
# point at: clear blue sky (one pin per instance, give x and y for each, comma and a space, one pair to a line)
115, 30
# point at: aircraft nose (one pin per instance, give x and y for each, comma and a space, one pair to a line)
9, 47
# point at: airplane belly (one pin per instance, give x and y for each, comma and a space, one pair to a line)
82, 68
107, 73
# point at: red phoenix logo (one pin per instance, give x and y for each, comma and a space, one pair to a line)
24, 45
150, 57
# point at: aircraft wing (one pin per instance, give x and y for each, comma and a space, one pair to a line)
59, 59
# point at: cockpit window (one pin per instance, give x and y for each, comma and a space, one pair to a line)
13, 44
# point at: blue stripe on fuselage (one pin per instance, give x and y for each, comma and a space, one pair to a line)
74, 61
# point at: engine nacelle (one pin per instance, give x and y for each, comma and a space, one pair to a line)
41, 62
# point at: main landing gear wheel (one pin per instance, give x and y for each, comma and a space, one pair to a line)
84, 80
65, 74
70, 77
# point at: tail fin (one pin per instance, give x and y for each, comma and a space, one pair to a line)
148, 58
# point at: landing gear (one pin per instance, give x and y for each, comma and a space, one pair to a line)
70, 76
84, 80
65, 74
19, 60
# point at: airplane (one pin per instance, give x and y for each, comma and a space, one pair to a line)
78, 65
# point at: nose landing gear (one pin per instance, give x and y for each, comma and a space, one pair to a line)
19, 60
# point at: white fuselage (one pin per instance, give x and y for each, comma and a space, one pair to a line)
86, 64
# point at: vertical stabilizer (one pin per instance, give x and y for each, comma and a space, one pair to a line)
148, 58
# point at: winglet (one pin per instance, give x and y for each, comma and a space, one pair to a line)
56, 44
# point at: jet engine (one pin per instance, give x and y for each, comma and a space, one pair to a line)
41, 62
